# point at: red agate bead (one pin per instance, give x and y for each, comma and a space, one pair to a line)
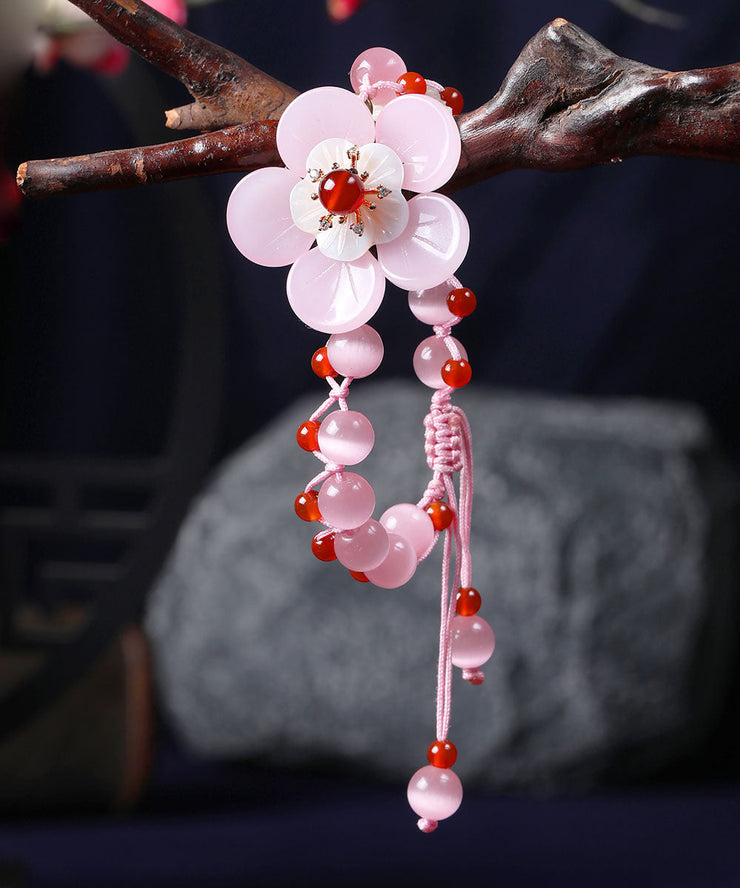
452, 98
322, 545
412, 83
440, 513
468, 601
456, 374
442, 754
359, 576
307, 435
461, 302
320, 363
307, 506
341, 192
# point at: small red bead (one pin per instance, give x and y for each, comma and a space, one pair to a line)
477, 679
320, 364
307, 506
442, 754
359, 576
341, 192
322, 546
456, 374
441, 514
412, 83
468, 601
452, 98
307, 435
461, 302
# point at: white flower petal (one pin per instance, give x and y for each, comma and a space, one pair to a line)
383, 166
306, 211
328, 152
389, 218
340, 242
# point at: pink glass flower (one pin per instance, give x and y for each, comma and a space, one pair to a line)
342, 187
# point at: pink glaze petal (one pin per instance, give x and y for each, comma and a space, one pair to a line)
333, 296
425, 136
432, 246
324, 113
259, 219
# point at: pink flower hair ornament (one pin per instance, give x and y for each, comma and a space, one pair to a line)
342, 187
348, 158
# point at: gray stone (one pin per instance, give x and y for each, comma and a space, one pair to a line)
595, 529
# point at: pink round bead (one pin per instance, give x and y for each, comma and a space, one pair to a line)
430, 306
357, 353
473, 641
412, 523
346, 437
430, 356
363, 548
379, 64
346, 500
397, 567
435, 793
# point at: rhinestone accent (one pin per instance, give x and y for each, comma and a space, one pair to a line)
314, 175
383, 192
357, 227
315, 195
325, 223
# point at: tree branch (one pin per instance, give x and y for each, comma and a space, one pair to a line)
567, 103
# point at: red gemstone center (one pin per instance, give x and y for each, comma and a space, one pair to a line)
341, 192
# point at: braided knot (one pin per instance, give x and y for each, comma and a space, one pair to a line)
442, 439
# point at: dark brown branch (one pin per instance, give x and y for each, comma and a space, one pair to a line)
234, 149
567, 103
227, 89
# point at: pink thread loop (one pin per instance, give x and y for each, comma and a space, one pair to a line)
369, 90
427, 826
442, 442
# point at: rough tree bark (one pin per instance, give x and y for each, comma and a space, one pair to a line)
567, 103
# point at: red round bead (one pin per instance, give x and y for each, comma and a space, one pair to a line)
307, 435
456, 374
341, 192
452, 98
412, 83
320, 363
468, 601
359, 576
322, 546
307, 505
442, 754
440, 513
461, 302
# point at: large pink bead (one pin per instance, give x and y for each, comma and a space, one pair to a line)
432, 245
346, 437
430, 356
378, 63
430, 306
363, 548
397, 567
473, 641
346, 500
334, 296
425, 136
435, 793
357, 353
412, 523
